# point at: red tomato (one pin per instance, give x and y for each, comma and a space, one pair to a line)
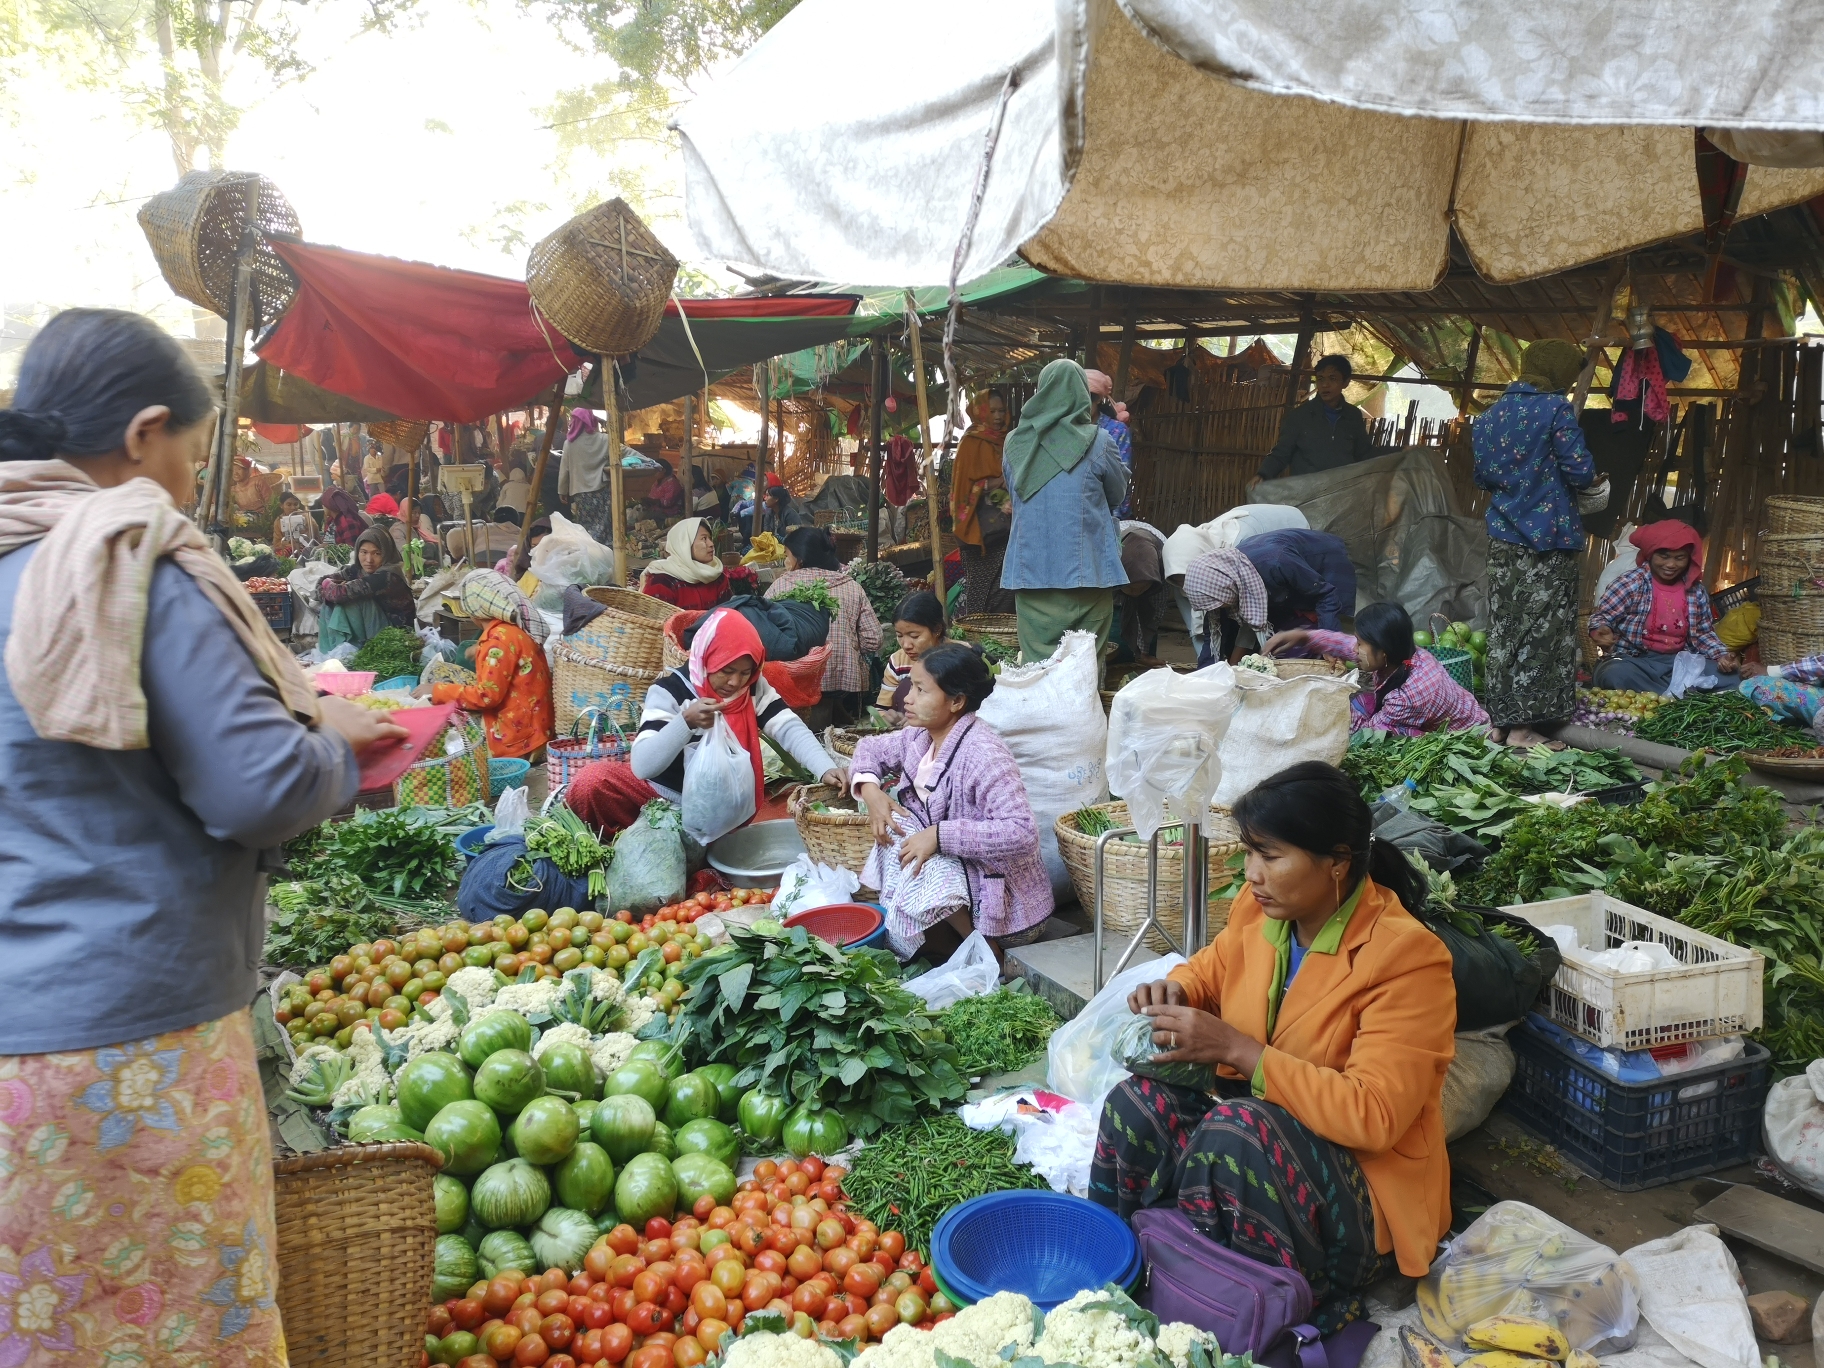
863, 1280
438, 1321
501, 1341
574, 1308
811, 1300
705, 1207
910, 1261
617, 1343
710, 1332
892, 1244
475, 1361
853, 1327
813, 1167
651, 1356
502, 1293
709, 1301
588, 1347
804, 1262
691, 1272
557, 1331
595, 1315
675, 1300
580, 1284
621, 1303
688, 1353
599, 1259
468, 1313
560, 1361
886, 1266
770, 1261
881, 1319
648, 1286
623, 1239
531, 1352
647, 1319
927, 1282
552, 1302
626, 1268
528, 1319
658, 1228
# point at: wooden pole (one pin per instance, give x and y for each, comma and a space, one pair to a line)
552, 419
411, 493
221, 462
924, 433
760, 452
1466, 391
882, 378
1124, 360
1301, 357
611, 395
1599, 332
690, 490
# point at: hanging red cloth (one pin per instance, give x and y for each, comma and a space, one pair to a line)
899, 472
418, 341
1640, 373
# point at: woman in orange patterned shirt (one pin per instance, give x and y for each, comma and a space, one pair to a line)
512, 688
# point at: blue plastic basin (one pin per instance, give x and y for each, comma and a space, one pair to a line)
472, 841
1048, 1246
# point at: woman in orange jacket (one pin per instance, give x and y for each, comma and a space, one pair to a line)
512, 688
1328, 1011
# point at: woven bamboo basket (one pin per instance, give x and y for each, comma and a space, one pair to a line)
603, 279
1297, 669
1791, 597
1124, 877
407, 436
195, 232
1001, 627
833, 838
357, 1234
674, 652
629, 635
1787, 514
580, 681
841, 741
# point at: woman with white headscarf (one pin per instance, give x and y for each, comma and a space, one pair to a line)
691, 574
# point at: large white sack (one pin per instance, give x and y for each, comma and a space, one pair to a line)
1281, 722
1051, 718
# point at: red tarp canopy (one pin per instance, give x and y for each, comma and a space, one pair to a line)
418, 341
281, 433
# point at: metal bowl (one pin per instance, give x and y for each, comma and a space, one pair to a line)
755, 856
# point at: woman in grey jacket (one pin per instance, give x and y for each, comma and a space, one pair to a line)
159, 744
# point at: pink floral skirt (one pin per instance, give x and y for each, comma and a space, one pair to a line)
136, 1219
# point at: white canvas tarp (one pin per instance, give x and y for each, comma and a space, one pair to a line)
1241, 144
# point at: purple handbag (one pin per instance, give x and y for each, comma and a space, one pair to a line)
1250, 1307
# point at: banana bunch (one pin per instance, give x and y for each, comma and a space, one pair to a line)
1499, 1342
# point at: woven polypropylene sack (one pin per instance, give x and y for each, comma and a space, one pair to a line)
1279, 723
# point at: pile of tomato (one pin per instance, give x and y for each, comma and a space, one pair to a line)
788, 1243
713, 900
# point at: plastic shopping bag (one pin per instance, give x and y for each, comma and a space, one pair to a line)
1080, 1061
1793, 1126
1165, 735
970, 972
1281, 722
807, 884
1691, 671
1517, 1261
571, 556
510, 814
1135, 1049
718, 784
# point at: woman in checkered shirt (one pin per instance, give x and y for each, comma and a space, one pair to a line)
1408, 693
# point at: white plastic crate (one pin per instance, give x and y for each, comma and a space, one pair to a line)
1715, 992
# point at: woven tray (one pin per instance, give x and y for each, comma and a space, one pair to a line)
841, 741
1790, 768
357, 1234
843, 839
1001, 627
1124, 877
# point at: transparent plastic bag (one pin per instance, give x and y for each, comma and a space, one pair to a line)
1165, 734
970, 972
571, 556
1517, 1261
1135, 1049
807, 884
510, 814
718, 784
1080, 1061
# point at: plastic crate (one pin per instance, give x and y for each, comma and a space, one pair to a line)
1638, 1135
1716, 991
1734, 596
275, 607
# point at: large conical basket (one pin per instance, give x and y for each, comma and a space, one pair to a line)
195, 232
603, 279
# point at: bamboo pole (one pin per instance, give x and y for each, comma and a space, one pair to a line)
1599, 330
1301, 358
552, 419
690, 489
924, 432
760, 451
1125, 357
611, 394
882, 378
1466, 391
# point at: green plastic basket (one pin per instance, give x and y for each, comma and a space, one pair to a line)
1457, 663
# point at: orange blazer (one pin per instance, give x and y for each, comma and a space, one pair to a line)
1358, 1052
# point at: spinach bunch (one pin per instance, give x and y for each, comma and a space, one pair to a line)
396, 852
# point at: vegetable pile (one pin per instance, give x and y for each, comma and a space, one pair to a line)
913, 1174
390, 652
267, 584
831, 1031
817, 594
886, 586
998, 1032
1619, 710
1723, 722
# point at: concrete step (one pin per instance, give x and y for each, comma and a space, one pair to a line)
1063, 971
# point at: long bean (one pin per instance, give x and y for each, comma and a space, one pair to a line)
1725, 722
914, 1173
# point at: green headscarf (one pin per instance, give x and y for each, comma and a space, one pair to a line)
1055, 431
1552, 365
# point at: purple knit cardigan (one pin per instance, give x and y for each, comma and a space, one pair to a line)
981, 812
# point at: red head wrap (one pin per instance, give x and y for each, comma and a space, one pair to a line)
722, 639
1669, 534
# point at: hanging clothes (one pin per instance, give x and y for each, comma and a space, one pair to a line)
899, 472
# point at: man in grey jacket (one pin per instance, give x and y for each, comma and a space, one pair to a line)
1322, 433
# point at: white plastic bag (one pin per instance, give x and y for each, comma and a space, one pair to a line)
571, 556
510, 814
970, 972
718, 784
807, 884
1690, 1291
1051, 718
1691, 671
1059, 1145
1165, 735
1281, 722
1793, 1125
1080, 1061
1515, 1260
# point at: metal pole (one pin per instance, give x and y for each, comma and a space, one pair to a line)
1195, 857
883, 377
611, 393
924, 433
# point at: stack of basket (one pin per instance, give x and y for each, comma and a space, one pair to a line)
1792, 579
612, 661
1123, 908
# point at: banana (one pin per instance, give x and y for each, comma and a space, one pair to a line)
1519, 1335
1421, 1351
1501, 1358
1580, 1358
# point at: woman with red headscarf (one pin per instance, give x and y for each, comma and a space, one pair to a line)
722, 679
1658, 610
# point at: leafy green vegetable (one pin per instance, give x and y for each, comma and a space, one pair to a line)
806, 1019
914, 1173
1726, 722
314, 921
1093, 821
569, 843
817, 594
390, 652
397, 852
998, 1032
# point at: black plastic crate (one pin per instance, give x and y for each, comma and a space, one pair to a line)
275, 607
1621, 795
1638, 1135
1734, 596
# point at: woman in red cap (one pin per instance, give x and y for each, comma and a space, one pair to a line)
1657, 610
722, 679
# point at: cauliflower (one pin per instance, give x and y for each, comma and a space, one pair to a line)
530, 999
607, 988
576, 1035
421, 1036
474, 986
611, 1051
779, 1351
974, 1335
301, 1070
636, 1011
441, 1009
369, 1083
1090, 1338
1177, 1338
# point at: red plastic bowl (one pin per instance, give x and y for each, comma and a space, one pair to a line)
841, 923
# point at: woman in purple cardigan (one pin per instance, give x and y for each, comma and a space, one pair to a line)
947, 786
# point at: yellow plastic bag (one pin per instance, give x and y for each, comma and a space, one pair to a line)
1738, 627
766, 548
